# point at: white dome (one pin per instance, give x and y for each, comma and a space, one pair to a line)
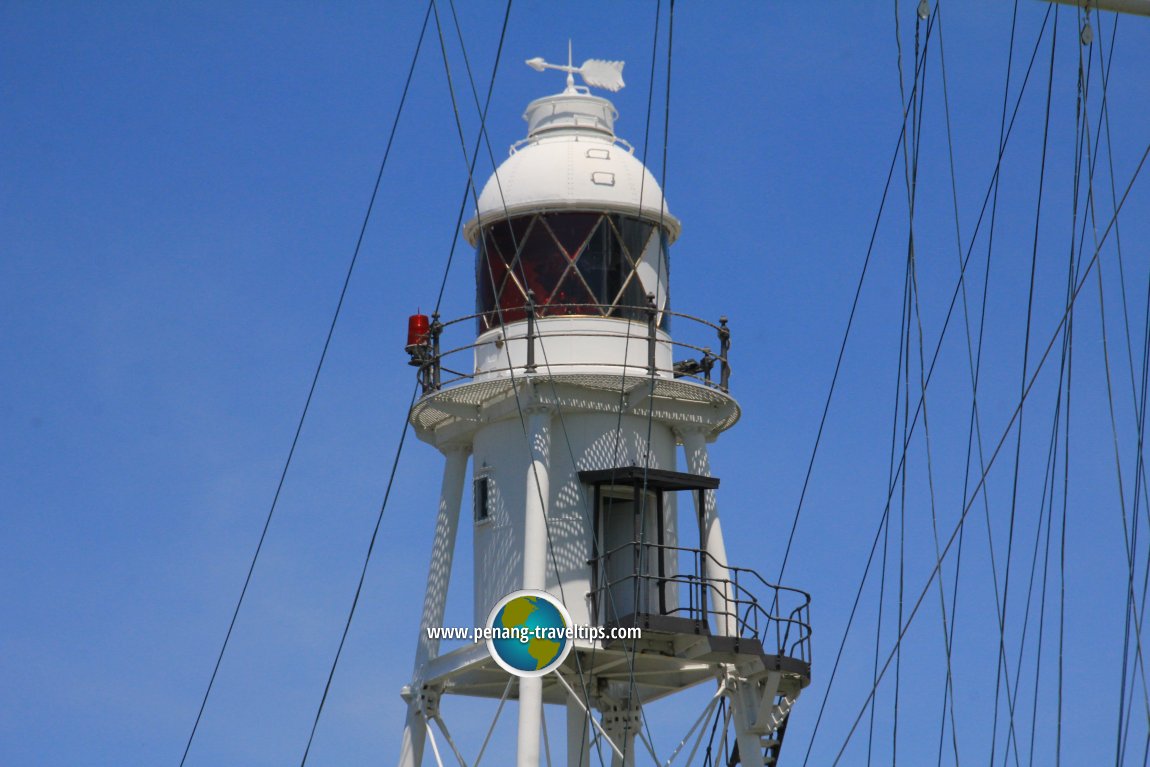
571, 161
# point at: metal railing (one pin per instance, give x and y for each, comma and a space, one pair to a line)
780, 621
438, 368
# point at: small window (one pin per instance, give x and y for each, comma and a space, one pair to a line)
482, 498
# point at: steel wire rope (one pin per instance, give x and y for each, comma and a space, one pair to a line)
618, 436
1140, 467
984, 470
1048, 491
902, 505
1065, 377
659, 232
310, 394
1131, 612
1130, 553
642, 189
974, 358
914, 293
499, 309
1103, 116
475, 152
884, 525
1047, 502
469, 163
578, 661
362, 578
993, 187
651, 377
1140, 410
907, 109
563, 428
954, 296
1104, 68
552, 382
1005, 435
558, 408
1011, 735
838, 364
858, 291
979, 486
1050, 474
403, 433
975, 423
1130, 597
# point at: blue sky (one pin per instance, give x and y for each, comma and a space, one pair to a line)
182, 188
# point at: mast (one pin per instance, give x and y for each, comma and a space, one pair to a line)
570, 413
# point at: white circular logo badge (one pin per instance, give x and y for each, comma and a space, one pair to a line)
529, 633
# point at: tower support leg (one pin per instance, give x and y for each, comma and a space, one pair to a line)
534, 571
414, 737
621, 722
578, 746
422, 705
715, 565
538, 492
434, 599
530, 721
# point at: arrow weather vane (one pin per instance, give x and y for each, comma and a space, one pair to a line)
597, 73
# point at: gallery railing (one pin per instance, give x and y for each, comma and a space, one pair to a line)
440, 368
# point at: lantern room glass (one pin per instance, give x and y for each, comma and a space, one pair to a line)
575, 263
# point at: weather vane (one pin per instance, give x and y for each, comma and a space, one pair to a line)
596, 73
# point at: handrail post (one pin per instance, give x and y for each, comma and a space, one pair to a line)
530, 366
436, 329
651, 333
724, 353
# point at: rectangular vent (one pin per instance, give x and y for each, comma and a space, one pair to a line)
603, 178
599, 154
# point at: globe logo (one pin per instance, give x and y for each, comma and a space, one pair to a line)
529, 633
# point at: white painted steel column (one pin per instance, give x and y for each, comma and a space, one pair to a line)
538, 491
578, 724
534, 569
715, 565
435, 598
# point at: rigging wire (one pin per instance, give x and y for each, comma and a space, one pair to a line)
402, 438
472, 187
974, 427
912, 269
470, 191
942, 334
540, 341
1002, 662
1002, 441
310, 393
974, 438
907, 109
1133, 611
965, 262
558, 409
884, 525
362, 577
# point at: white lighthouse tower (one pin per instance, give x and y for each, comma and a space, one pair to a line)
570, 404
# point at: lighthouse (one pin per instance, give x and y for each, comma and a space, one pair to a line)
578, 405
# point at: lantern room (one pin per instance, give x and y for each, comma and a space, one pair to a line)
571, 236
